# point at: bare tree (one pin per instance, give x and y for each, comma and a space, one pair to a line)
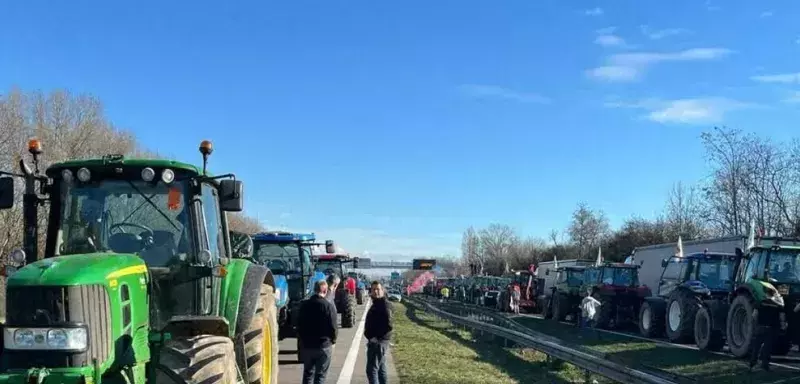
496, 243
683, 213
471, 250
587, 229
240, 223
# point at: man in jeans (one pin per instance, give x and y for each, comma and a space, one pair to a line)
378, 330
316, 330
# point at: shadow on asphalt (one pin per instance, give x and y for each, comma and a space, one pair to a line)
511, 364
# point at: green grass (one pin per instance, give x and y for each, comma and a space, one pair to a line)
701, 366
431, 351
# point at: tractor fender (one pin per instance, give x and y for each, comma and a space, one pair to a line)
242, 290
656, 303
718, 309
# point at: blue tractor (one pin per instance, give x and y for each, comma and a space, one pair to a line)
288, 256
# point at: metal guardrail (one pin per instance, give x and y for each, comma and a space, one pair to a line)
553, 349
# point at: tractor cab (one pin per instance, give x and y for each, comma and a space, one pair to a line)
341, 265
136, 256
287, 255
704, 273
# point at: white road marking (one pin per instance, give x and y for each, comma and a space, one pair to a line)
346, 375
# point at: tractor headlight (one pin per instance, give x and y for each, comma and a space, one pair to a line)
64, 339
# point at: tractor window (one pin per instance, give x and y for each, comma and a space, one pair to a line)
281, 258
620, 276
574, 278
783, 265
123, 216
673, 271
716, 273
212, 216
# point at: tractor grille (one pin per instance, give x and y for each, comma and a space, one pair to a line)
51, 306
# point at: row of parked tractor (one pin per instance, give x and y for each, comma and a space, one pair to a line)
141, 280
705, 298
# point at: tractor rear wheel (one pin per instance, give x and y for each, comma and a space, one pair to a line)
741, 329
705, 336
605, 316
682, 306
349, 312
359, 296
651, 320
560, 306
195, 360
259, 342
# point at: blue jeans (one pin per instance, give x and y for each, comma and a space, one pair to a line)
587, 327
376, 362
315, 364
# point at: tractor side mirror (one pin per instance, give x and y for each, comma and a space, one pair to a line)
664, 263
330, 247
641, 263
739, 252
355, 263
231, 195
6, 193
547, 272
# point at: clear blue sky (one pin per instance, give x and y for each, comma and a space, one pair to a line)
393, 125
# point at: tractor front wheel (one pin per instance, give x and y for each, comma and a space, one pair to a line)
196, 360
741, 329
259, 342
705, 336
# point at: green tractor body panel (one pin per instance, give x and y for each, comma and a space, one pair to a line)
129, 162
232, 291
109, 272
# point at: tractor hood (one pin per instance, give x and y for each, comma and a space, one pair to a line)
92, 268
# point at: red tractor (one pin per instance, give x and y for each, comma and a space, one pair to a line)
345, 295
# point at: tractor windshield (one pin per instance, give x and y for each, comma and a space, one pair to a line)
123, 216
329, 267
716, 274
626, 277
574, 277
783, 265
284, 258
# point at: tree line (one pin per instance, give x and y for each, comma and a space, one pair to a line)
752, 179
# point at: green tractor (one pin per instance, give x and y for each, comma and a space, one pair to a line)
138, 283
768, 275
565, 296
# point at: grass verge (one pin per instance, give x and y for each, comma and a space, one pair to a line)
432, 351
701, 366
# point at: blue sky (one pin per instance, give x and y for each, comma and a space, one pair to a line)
393, 125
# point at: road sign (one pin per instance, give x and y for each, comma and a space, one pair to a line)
423, 264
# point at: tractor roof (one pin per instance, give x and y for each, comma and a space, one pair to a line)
283, 237
121, 160
620, 265
708, 255
573, 268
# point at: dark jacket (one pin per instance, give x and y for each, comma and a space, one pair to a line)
379, 320
316, 327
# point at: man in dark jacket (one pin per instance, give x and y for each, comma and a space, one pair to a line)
767, 320
316, 330
378, 330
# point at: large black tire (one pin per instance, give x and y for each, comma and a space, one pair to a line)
681, 309
651, 320
359, 296
560, 306
741, 328
705, 336
349, 312
605, 318
259, 342
200, 359
340, 299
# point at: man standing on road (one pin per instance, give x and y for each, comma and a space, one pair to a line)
316, 330
333, 285
767, 320
378, 330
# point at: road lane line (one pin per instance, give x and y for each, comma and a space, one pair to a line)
346, 375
